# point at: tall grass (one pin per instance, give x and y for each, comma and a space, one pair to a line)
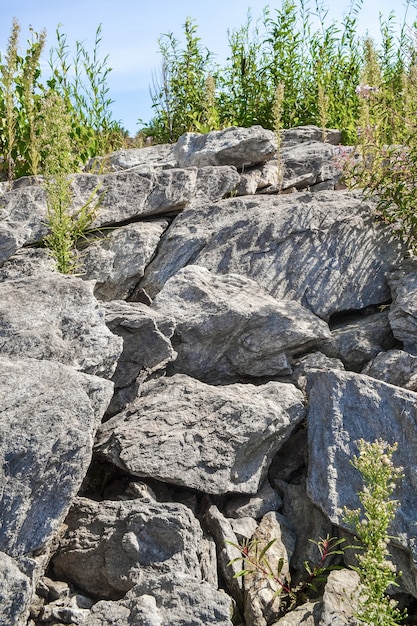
81, 82
319, 62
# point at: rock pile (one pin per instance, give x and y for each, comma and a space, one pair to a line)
202, 381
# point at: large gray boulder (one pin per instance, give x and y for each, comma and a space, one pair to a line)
214, 439
117, 261
57, 318
325, 249
240, 147
395, 367
16, 590
306, 164
343, 408
49, 414
110, 546
228, 327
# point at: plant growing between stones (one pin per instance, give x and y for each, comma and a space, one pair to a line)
65, 226
371, 525
255, 559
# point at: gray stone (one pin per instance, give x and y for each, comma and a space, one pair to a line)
174, 600
215, 183
160, 156
261, 602
133, 193
57, 318
395, 367
228, 327
325, 250
221, 530
403, 311
117, 261
16, 589
344, 407
308, 614
267, 499
49, 414
110, 546
357, 341
214, 439
302, 134
307, 163
340, 599
146, 339
22, 219
28, 262
240, 147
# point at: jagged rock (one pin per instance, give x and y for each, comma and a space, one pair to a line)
117, 261
261, 606
22, 219
240, 147
28, 262
344, 407
310, 362
302, 134
307, 163
48, 418
340, 599
267, 499
221, 530
16, 590
309, 524
325, 250
56, 318
357, 341
395, 367
112, 545
403, 311
150, 156
134, 193
174, 600
214, 439
146, 338
215, 183
227, 326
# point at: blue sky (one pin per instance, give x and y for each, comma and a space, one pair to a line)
131, 28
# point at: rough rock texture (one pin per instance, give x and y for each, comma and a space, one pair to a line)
117, 262
228, 327
232, 146
45, 320
111, 546
214, 335
49, 414
277, 242
215, 439
344, 407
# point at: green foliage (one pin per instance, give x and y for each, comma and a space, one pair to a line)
65, 226
180, 96
85, 95
255, 558
371, 524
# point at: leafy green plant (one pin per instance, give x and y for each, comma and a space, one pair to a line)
371, 524
66, 226
255, 559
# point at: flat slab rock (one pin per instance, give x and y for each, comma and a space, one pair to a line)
57, 318
324, 250
214, 439
228, 327
49, 414
345, 407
